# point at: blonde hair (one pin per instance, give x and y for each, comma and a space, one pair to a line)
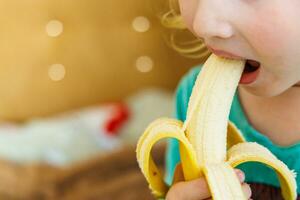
178, 34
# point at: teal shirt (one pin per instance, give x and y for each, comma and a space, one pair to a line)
255, 172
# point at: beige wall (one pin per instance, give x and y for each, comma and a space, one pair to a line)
97, 48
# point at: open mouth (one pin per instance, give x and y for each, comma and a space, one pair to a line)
251, 66
250, 72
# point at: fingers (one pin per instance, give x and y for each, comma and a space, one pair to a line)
198, 189
247, 190
240, 175
194, 190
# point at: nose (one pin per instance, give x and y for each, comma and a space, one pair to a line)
211, 20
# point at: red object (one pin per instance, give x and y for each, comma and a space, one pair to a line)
119, 116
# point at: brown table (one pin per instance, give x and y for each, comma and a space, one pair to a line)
112, 177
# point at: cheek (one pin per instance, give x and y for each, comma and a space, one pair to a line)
273, 34
270, 30
266, 37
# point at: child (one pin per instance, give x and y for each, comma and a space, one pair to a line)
266, 106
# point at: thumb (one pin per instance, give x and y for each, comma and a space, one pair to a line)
196, 189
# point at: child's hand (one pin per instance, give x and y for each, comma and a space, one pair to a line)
198, 189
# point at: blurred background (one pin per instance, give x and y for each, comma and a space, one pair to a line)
79, 82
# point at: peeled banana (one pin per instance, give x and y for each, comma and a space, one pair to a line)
207, 134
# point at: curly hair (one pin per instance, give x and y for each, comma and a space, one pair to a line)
179, 37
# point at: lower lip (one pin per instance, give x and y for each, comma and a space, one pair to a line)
249, 77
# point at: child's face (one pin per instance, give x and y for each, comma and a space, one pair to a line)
267, 31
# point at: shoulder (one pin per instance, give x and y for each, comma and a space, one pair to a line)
184, 90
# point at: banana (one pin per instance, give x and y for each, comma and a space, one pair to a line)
209, 144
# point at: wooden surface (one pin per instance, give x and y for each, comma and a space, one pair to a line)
115, 176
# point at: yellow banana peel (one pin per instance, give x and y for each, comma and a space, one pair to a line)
210, 145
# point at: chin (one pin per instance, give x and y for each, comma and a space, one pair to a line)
264, 90
269, 85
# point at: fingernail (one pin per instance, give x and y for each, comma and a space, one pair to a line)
240, 175
247, 190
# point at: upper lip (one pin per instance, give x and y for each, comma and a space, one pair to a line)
224, 54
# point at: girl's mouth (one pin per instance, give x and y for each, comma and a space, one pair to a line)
250, 72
